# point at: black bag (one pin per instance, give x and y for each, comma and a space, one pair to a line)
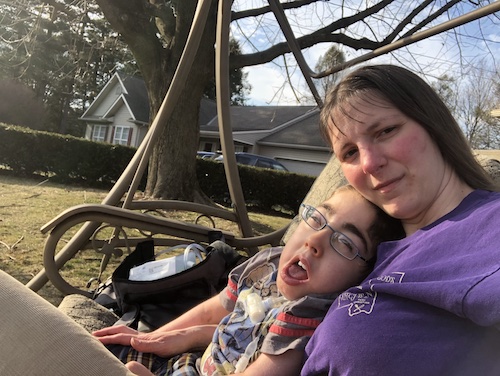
147, 305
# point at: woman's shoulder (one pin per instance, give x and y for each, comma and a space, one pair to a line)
477, 207
481, 197
480, 204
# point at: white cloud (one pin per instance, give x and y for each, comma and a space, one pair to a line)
269, 86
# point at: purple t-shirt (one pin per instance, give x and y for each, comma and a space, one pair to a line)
430, 307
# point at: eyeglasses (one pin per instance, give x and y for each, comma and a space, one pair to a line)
339, 242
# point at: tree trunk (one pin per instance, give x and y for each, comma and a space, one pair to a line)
172, 167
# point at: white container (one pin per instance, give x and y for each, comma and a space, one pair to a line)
153, 270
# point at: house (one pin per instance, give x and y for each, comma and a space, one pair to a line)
290, 134
120, 112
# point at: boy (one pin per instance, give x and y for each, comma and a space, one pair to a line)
273, 301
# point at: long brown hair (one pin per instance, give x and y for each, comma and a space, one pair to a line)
416, 99
383, 228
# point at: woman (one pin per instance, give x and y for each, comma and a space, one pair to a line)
432, 304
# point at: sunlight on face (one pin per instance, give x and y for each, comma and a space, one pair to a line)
309, 264
388, 157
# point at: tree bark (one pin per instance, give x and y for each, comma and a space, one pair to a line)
172, 167
157, 47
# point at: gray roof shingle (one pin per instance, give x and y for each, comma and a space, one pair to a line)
304, 131
260, 118
137, 97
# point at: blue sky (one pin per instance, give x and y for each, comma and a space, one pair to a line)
451, 52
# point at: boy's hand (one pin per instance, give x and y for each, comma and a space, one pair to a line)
175, 342
162, 343
116, 335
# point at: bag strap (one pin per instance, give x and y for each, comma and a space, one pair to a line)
193, 249
144, 252
130, 317
231, 258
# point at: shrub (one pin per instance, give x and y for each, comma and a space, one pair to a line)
71, 160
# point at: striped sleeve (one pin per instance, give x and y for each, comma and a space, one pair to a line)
295, 324
229, 294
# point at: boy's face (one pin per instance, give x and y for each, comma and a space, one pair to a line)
309, 264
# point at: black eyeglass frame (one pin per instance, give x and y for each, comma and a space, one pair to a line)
308, 209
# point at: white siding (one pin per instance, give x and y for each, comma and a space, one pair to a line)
302, 167
122, 118
301, 161
107, 101
139, 136
88, 131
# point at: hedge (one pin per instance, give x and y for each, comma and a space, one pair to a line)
75, 161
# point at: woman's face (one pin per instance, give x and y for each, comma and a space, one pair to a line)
309, 264
392, 161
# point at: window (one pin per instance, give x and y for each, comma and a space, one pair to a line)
278, 167
243, 159
263, 163
99, 133
121, 135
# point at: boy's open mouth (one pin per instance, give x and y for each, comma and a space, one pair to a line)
297, 271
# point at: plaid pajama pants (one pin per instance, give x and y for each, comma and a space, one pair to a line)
179, 365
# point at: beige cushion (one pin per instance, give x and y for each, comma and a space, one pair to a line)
38, 339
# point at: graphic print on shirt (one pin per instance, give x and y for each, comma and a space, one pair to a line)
357, 300
261, 279
237, 331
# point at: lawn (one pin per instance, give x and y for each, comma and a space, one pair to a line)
27, 204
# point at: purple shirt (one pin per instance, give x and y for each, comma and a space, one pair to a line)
430, 307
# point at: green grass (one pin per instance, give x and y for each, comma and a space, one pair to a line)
27, 204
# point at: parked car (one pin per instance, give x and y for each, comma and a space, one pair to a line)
256, 161
207, 154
